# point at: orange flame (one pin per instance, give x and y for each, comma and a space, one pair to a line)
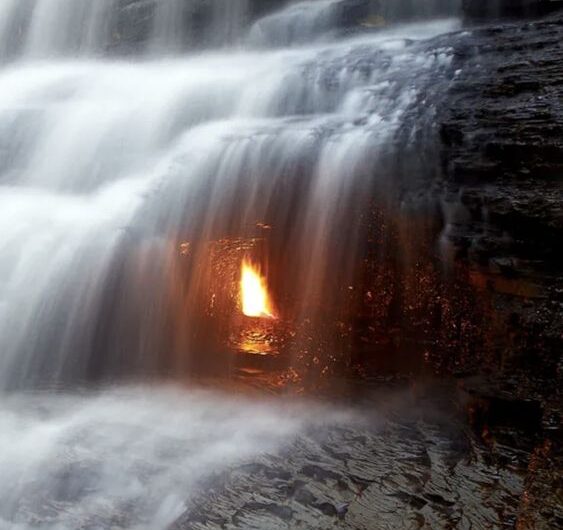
254, 294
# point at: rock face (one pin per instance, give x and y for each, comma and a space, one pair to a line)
501, 132
503, 126
510, 8
411, 470
209, 23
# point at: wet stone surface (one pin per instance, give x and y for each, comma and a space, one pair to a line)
502, 154
416, 465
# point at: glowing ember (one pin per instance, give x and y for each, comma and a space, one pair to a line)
254, 292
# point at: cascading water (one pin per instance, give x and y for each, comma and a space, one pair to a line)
108, 165
111, 168
47, 28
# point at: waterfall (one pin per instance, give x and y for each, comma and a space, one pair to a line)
126, 185
148, 148
56, 28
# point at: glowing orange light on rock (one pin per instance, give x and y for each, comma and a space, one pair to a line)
255, 298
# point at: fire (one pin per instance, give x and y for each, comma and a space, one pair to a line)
254, 294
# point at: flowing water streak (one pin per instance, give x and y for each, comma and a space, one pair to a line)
180, 24
298, 23
7, 25
60, 27
67, 28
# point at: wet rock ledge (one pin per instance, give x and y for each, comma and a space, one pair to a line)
502, 130
501, 136
411, 465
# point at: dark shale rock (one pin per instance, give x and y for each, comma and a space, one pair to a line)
131, 26
413, 9
502, 139
501, 132
504, 119
133, 20
509, 8
351, 12
420, 469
